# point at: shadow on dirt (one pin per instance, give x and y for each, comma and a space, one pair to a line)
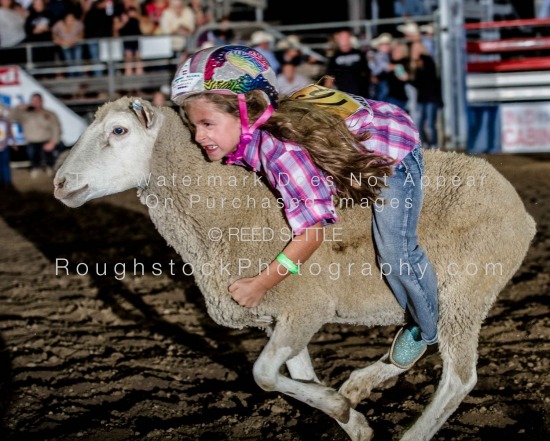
101, 232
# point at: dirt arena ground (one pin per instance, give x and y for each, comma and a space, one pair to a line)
96, 358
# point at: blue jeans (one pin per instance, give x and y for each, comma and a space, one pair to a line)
5, 172
381, 91
93, 50
406, 267
427, 117
39, 157
73, 55
483, 129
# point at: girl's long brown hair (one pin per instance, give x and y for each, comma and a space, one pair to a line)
325, 136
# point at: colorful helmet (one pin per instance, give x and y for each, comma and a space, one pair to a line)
231, 68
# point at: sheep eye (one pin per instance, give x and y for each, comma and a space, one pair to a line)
119, 131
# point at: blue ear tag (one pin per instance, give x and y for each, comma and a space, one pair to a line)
137, 106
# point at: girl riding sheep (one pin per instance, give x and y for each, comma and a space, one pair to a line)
326, 144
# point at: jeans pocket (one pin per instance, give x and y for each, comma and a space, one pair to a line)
418, 155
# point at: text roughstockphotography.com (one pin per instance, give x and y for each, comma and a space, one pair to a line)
248, 267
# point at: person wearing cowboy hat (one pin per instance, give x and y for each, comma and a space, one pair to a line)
262, 42
380, 65
428, 40
425, 78
410, 31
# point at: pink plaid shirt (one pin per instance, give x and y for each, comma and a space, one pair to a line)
305, 189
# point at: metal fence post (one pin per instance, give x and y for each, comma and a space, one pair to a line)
453, 72
110, 70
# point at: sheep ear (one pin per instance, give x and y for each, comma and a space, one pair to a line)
144, 111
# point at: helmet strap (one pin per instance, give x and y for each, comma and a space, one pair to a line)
246, 131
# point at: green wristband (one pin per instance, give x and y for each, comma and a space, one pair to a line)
287, 263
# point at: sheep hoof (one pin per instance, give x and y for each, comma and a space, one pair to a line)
357, 427
342, 412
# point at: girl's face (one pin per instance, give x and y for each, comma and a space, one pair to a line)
217, 132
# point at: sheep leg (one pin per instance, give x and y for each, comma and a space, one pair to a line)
362, 381
301, 368
459, 356
267, 375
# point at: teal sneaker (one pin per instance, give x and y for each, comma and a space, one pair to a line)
407, 347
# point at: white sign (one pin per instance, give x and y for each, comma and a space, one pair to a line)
111, 50
155, 47
525, 127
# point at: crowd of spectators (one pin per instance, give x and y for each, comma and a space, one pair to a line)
67, 23
398, 67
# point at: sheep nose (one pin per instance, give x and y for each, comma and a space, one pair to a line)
59, 182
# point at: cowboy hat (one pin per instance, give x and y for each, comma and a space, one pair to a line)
291, 41
383, 38
427, 28
409, 28
260, 37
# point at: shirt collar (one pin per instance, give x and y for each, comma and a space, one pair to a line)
246, 154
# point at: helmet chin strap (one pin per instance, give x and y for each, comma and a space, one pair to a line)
246, 132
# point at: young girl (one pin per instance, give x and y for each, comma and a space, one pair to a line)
318, 138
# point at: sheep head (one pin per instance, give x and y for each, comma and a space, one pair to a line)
112, 155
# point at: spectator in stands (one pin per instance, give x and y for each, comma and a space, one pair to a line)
348, 66
178, 20
6, 140
98, 23
42, 132
154, 10
380, 65
38, 29
68, 34
222, 35
398, 75
19, 7
127, 24
290, 80
159, 99
203, 16
410, 31
12, 27
428, 39
289, 50
409, 8
424, 76
263, 41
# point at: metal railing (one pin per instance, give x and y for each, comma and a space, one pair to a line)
101, 75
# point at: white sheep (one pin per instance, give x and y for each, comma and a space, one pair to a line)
474, 228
